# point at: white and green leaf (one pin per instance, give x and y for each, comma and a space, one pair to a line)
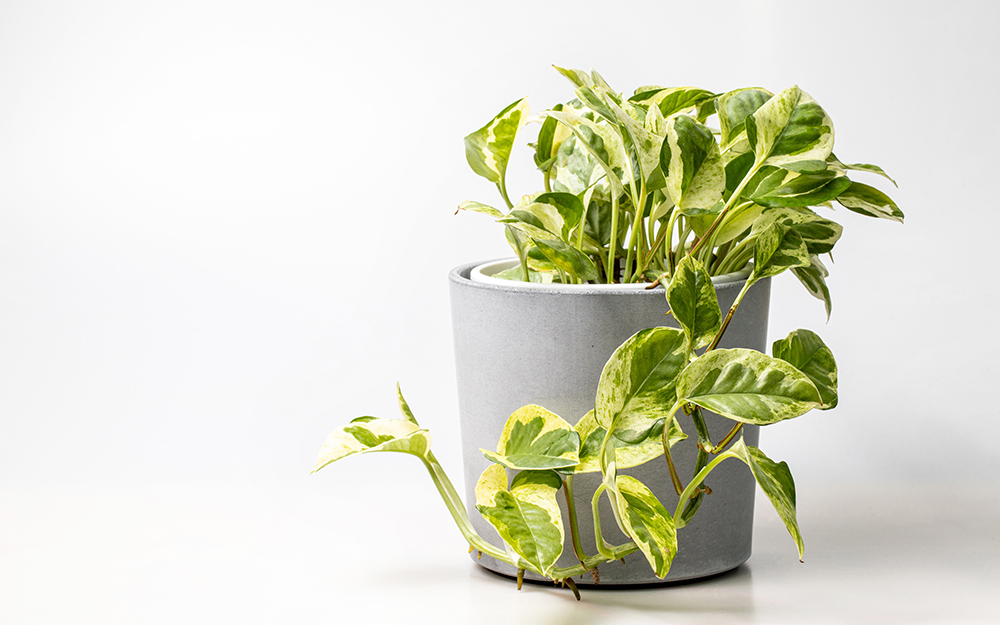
869, 201
813, 277
693, 303
733, 108
526, 516
775, 479
818, 233
776, 249
637, 384
790, 127
478, 207
643, 142
672, 100
873, 169
488, 149
592, 435
781, 187
690, 161
403, 406
604, 143
806, 351
747, 386
647, 523
370, 434
535, 438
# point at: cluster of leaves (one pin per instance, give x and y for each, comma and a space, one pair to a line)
649, 378
634, 184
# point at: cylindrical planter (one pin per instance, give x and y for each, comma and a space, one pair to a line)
518, 345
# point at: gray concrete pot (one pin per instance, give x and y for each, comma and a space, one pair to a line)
517, 345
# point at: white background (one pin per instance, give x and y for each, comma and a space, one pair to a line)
225, 229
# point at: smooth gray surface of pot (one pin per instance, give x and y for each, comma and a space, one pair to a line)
516, 346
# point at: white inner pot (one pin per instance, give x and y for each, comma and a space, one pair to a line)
486, 273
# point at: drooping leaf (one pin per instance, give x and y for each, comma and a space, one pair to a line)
690, 161
813, 278
647, 522
805, 351
535, 438
781, 187
819, 234
560, 253
790, 127
477, 207
592, 435
733, 108
527, 516
488, 149
693, 303
778, 248
637, 385
369, 434
775, 479
869, 201
874, 169
747, 386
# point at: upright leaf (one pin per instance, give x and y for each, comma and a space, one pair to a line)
805, 351
775, 479
488, 149
689, 158
535, 438
369, 434
790, 127
602, 141
637, 385
778, 248
547, 145
403, 406
527, 516
564, 212
733, 108
693, 303
644, 144
747, 386
869, 201
647, 522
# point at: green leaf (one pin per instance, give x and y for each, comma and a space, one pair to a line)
781, 187
527, 516
813, 278
563, 213
778, 248
488, 149
733, 108
819, 234
534, 438
546, 147
776, 481
672, 100
602, 141
369, 434
689, 158
477, 207
874, 169
560, 253
403, 406
592, 435
869, 201
790, 127
747, 386
693, 303
805, 351
646, 522
637, 385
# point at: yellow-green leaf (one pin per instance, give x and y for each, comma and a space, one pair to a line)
535, 438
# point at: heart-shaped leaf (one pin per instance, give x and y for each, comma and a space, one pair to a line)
689, 158
790, 127
488, 149
805, 351
535, 438
646, 522
592, 435
693, 303
819, 234
733, 108
369, 434
747, 386
778, 248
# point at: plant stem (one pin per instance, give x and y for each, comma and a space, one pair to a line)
666, 453
652, 252
729, 316
704, 438
602, 547
692, 486
728, 438
732, 202
638, 204
574, 529
614, 240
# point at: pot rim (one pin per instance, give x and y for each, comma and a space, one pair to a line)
473, 274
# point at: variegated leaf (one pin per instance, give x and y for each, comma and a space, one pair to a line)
869, 201
874, 169
403, 406
592, 435
637, 384
733, 108
545, 145
488, 149
560, 253
527, 516
369, 434
576, 170
647, 522
778, 248
535, 438
673, 100
477, 207
747, 386
602, 141
775, 479
562, 212
805, 351
819, 234
644, 143
578, 77
813, 277
689, 158
738, 220
775, 186
790, 127
693, 303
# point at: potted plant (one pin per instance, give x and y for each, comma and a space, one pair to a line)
643, 206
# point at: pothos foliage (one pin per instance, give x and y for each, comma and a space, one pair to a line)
743, 192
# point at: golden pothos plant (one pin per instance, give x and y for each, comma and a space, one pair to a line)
636, 189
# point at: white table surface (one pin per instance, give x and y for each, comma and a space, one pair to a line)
369, 552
